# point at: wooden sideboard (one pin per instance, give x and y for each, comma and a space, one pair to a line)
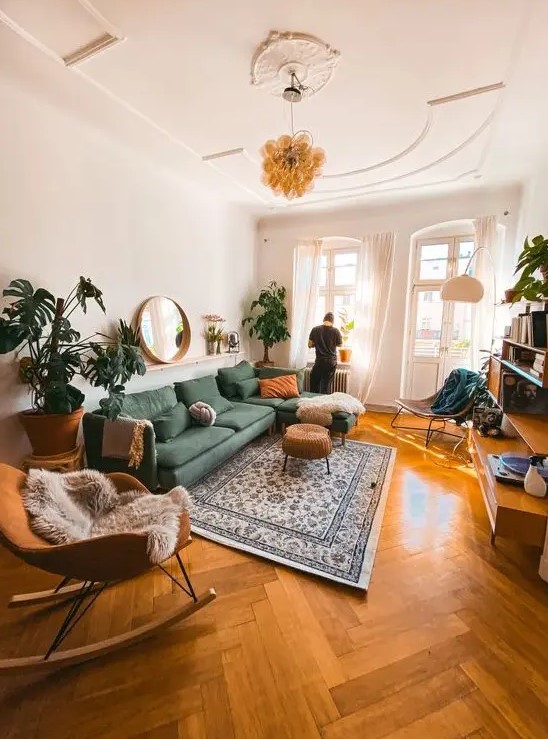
512, 512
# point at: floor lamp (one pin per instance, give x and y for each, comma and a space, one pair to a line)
468, 289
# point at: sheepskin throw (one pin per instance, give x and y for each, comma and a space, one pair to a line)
203, 413
123, 439
69, 507
320, 410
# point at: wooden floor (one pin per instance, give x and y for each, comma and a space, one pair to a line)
450, 641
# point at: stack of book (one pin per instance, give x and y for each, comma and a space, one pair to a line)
530, 328
538, 366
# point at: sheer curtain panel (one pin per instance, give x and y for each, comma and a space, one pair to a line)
306, 282
484, 269
372, 299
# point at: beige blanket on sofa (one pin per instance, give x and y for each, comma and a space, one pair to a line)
320, 410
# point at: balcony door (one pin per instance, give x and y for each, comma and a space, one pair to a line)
440, 333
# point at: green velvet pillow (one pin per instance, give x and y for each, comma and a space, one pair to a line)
172, 423
149, 404
205, 389
228, 377
246, 388
267, 373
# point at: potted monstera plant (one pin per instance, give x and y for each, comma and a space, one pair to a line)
533, 264
51, 353
270, 325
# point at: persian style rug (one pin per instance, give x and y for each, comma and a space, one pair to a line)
327, 525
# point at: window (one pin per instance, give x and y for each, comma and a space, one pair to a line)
338, 274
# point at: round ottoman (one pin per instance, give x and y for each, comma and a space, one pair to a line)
307, 441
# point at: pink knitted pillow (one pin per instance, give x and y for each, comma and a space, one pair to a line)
202, 413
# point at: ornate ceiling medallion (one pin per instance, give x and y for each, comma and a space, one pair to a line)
283, 54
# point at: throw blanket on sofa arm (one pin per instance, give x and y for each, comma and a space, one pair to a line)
123, 439
320, 410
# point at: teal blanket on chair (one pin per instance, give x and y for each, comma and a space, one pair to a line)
457, 390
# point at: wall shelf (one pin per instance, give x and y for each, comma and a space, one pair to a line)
189, 361
532, 429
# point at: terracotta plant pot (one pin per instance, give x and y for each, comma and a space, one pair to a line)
51, 433
509, 295
344, 354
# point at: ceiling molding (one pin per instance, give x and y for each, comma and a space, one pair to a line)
423, 134
419, 170
37, 44
357, 195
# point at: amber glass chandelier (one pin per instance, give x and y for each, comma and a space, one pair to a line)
292, 162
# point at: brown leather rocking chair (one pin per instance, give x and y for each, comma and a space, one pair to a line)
94, 563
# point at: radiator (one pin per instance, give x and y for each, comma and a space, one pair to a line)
340, 381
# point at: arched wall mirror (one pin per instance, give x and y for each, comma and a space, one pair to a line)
165, 330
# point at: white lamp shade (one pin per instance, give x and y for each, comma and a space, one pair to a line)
462, 289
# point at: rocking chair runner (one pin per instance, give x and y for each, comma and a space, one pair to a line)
95, 563
423, 409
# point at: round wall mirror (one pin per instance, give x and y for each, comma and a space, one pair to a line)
165, 330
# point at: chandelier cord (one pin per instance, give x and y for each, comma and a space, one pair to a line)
292, 126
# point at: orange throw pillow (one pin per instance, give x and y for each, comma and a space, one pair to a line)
284, 386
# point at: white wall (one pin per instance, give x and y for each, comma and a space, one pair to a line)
534, 213
75, 203
278, 234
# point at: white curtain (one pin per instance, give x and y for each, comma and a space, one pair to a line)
306, 281
483, 267
373, 287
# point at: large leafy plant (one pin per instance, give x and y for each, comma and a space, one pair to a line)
269, 326
533, 258
110, 366
37, 326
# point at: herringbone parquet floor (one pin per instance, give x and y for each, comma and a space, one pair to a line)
451, 640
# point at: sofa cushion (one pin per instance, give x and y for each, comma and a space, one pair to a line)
266, 373
284, 386
172, 423
269, 402
149, 404
205, 389
191, 443
243, 415
246, 388
227, 377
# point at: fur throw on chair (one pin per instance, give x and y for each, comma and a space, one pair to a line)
73, 506
320, 410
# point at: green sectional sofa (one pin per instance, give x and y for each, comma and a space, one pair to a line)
237, 383
176, 451
179, 452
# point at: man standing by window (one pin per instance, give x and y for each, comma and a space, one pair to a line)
324, 339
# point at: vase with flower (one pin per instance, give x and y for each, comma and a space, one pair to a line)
213, 332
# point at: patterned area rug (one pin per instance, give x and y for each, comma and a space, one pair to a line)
328, 525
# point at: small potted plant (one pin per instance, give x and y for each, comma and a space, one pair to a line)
346, 328
213, 332
532, 260
270, 326
37, 325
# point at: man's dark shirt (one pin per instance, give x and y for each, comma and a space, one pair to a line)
326, 339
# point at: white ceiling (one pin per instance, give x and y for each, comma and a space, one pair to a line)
178, 86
